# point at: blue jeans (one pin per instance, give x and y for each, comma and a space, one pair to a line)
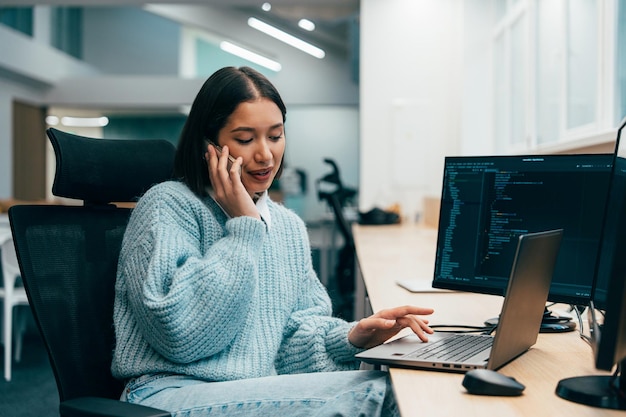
347, 393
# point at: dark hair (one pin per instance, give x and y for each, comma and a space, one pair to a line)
218, 98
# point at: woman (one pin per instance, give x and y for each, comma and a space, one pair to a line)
218, 310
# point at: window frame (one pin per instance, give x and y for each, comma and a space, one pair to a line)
606, 101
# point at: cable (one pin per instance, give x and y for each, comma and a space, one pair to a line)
581, 326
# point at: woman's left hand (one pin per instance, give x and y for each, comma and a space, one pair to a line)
376, 329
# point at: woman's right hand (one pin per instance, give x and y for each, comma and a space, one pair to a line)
230, 193
377, 328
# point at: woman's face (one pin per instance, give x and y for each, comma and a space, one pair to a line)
255, 132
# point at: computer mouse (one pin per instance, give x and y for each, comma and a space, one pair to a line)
488, 382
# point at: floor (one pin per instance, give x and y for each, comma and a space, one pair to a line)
32, 391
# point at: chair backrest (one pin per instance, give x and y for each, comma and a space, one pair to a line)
68, 254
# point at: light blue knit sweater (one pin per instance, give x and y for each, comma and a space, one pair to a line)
220, 299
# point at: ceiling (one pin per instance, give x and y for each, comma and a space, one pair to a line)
333, 18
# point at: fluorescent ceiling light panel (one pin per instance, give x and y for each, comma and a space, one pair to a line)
285, 37
306, 24
52, 120
231, 48
85, 121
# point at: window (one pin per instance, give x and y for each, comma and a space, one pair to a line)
551, 63
202, 55
510, 60
66, 30
519, 79
582, 62
501, 111
18, 18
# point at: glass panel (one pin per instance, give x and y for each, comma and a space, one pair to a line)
519, 81
209, 58
582, 62
66, 30
140, 127
549, 57
620, 62
18, 18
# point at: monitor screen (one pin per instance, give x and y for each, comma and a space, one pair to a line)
607, 335
609, 292
611, 234
487, 202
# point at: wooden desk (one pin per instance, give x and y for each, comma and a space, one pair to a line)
386, 253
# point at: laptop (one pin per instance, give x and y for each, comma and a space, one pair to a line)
518, 326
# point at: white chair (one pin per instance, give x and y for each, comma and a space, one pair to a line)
11, 296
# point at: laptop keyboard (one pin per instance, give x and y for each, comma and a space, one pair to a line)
455, 348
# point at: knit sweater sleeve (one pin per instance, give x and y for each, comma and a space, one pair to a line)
313, 340
184, 278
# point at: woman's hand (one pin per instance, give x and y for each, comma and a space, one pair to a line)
376, 329
230, 192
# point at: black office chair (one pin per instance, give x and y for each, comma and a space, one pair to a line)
68, 260
331, 189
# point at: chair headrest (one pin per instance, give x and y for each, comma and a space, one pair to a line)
108, 170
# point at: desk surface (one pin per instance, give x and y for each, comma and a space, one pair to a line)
387, 253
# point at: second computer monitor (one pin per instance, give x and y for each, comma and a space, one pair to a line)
487, 202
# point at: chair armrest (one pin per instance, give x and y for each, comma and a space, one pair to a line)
106, 407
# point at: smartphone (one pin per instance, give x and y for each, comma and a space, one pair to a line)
218, 148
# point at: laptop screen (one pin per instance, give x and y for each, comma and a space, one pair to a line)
487, 202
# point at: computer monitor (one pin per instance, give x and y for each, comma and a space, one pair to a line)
488, 201
608, 339
610, 232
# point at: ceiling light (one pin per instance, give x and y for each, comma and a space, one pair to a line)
266, 7
85, 121
306, 24
52, 120
250, 56
287, 38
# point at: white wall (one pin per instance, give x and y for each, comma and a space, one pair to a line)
136, 42
317, 132
411, 98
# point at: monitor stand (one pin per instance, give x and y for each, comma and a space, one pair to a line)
603, 391
549, 324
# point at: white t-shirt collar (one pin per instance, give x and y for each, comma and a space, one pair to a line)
264, 210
